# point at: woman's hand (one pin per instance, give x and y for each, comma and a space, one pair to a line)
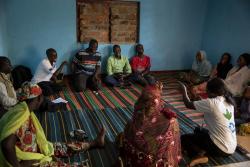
183, 88
186, 100
29, 163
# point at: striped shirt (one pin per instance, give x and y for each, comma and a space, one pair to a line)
87, 62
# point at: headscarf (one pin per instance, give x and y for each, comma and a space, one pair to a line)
28, 91
16, 117
148, 95
204, 67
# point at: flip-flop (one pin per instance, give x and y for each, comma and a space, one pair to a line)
78, 134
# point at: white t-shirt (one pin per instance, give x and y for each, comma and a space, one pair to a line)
44, 71
219, 117
236, 81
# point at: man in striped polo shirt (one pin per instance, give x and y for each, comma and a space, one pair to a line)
86, 68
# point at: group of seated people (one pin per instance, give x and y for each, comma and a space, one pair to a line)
23, 142
86, 73
226, 104
152, 136
236, 78
86, 66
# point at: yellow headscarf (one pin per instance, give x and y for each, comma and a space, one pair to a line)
12, 121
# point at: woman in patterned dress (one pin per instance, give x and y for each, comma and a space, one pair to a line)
152, 137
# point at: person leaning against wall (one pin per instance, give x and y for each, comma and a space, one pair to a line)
7, 92
140, 64
86, 65
47, 74
118, 69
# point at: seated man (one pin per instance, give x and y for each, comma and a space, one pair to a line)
86, 68
140, 64
7, 93
118, 68
23, 142
46, 73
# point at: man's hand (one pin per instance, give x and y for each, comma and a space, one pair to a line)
64, 63
53, 78
97, 78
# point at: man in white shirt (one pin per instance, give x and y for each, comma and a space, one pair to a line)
7, 93
219, 137
46, 73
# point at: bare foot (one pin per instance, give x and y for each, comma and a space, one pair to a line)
199, 160
99, 141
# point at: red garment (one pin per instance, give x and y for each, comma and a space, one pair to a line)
153, 141
140, 64
27, 137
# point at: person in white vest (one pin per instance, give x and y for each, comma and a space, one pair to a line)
46, 74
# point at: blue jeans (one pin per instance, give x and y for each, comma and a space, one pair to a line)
112, 81
143, 80
118, 80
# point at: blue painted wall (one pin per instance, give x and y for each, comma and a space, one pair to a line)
171, 31
227, 28
3, 30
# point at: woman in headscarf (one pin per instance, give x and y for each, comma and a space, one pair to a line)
23, 142
152, 137
201, 69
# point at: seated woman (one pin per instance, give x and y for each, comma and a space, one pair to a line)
23, 142
152, 137
236, 80
223, 67
201, 70
238, 77
219, 139
244, 110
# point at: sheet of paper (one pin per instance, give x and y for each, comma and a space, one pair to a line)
59, 100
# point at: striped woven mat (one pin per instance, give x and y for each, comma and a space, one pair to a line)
112, 108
